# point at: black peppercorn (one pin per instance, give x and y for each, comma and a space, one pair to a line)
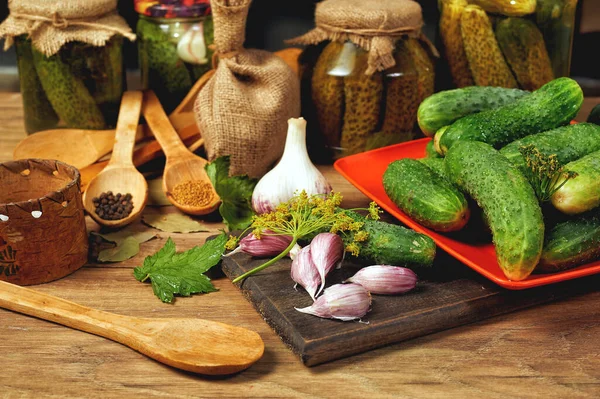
111, 206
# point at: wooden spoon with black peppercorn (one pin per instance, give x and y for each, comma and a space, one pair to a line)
184, 170
118, 194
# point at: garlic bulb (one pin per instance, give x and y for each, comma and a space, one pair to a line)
341, 301
294, 172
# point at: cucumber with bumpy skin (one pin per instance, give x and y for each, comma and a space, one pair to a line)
571, 243
594, 116
391, 244
445, 107
425, 195
435, 164
508, 201
569, 143
581, 193
553, 105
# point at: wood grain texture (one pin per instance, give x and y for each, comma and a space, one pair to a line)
446, 296
547, 351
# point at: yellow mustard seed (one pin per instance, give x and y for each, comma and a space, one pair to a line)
193, 193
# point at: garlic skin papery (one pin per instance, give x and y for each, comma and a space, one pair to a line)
305, 273
294, 172
342, 302
268, 245
327, 250
385, 280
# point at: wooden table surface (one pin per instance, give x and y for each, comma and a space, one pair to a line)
551, 350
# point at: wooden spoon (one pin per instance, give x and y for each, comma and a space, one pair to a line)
81, 147
120, 175
195, 345
182, 165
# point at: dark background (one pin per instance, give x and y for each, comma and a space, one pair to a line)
272, 21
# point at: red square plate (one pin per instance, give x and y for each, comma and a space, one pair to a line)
365, 171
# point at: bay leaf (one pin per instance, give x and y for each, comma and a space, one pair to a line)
167, 220
119, 236
127, 249
156, 194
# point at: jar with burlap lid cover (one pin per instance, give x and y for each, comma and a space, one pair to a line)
243, 109
364, 75
69, 55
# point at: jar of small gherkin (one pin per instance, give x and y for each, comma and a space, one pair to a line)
70, 61
364, 74
507, 43
175, 40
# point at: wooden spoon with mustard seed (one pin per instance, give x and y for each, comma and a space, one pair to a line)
120, 175
183, 167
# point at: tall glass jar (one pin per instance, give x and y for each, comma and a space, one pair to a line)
175, 40
70, 65
349, 111
508, 43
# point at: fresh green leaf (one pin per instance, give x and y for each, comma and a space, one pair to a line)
173, 273
171, 221
127, 249
235, 193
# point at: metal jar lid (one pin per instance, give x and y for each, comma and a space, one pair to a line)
173, 8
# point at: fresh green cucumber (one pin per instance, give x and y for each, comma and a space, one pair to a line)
391, 244
554, 104
594, 116
568, 143
581, 193
430, 151
425, 196
508, 201
435, 164
445, 107
571, 243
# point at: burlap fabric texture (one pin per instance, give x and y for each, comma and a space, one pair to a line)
243, 109
52, 23
374, 25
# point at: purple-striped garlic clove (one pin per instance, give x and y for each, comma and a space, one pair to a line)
327, 250
304, 272
385, 280
268, 245
342, 302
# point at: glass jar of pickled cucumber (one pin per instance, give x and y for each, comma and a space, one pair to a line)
175, 40
361, 89
70, 64
508, 43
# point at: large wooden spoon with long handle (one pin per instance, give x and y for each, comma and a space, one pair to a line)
200, 346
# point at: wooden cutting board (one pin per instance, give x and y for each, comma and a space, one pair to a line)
448, 295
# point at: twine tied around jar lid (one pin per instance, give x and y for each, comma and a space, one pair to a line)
374, 25
52, 23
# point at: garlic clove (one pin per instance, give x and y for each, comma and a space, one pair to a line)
327, 250
342, 302
268, 245
305, 273
385, 280
294, 172
191, 48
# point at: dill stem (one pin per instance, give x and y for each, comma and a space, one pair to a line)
268, 263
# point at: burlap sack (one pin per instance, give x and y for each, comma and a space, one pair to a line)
243, 109
374, 25
52, 23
